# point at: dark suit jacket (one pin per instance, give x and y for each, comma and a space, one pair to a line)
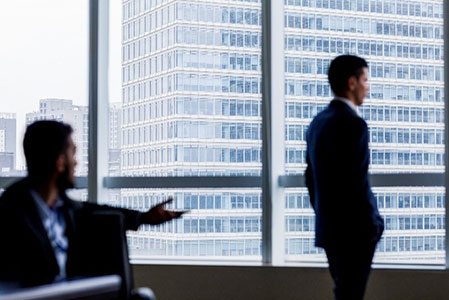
26, 255
337, 178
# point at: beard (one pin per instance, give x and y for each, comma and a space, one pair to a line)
64, 180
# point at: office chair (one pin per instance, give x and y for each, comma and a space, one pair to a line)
101, 249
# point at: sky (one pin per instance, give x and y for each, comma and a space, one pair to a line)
44, 54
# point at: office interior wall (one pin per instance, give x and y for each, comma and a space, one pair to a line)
225, 282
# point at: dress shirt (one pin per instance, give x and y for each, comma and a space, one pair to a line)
54, 223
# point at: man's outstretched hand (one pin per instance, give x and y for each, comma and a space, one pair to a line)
158, 214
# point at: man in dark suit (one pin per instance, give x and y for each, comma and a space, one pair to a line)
38, 222
348, 223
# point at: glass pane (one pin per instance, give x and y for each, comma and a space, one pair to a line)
223, 224
300, 228
403, 44
414, 225
44, 74
185, 96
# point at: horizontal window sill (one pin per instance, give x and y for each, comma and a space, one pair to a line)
286, 181
251, 264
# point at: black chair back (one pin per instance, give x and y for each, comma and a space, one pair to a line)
101, 248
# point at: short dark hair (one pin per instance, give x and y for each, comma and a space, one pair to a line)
341, 69
44, 141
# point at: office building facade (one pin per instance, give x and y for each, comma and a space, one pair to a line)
115, 117
7, 143
186, 112
76, 115
403, 43
191, 96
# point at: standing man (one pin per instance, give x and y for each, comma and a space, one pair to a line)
39, 223
348, 223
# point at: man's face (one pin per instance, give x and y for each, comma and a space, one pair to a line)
67, 177
361, 87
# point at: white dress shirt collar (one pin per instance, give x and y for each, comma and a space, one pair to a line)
348, 102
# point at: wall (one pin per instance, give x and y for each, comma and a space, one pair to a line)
222, 282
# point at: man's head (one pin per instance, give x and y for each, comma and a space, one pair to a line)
348, 78
50, 153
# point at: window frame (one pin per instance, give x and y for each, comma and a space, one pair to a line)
273, 181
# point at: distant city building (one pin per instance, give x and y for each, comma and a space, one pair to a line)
115, 117
75, 115
7, 143
191, 79
6, 162
191, 96
403, 44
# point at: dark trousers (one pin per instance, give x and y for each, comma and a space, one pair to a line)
350, 266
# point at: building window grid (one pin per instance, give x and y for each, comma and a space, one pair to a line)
309, 245
322, 45
383, 7
404, 214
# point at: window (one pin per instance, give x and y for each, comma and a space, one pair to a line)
201, 116
401, 110
186, 101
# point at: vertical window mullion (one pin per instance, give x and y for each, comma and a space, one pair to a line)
446, 125
98, 98
273, 128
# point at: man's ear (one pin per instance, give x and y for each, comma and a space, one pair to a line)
60, 163
352, 81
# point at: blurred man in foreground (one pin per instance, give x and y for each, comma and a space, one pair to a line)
38, 222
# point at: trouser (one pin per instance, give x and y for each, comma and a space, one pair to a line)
350, 265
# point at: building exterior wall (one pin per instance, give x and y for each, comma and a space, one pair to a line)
6, 162
191, 96
7, 142
115, 117
77, 116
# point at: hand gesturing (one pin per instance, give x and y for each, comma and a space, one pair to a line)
158, 214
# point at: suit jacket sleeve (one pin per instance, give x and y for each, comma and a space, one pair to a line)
374, 221
309, 181
132, 217
358, 169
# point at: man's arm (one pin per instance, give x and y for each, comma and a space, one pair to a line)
309, 181
158, 214
364, 155
133, 219
309, 173
361, 154
360, 195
